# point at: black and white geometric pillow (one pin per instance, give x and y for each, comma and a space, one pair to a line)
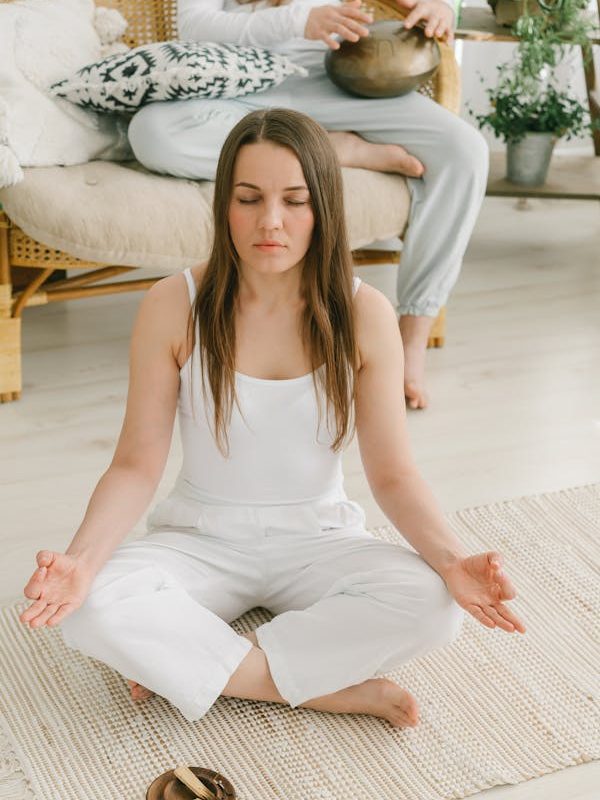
174, 71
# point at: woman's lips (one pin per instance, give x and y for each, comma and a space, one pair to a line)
269, 247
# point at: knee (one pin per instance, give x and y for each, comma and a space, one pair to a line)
468, 151
121, 580
443, 618
183, 138
149, 138
77, 627
86, 621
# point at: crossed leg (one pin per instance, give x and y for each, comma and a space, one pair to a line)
379, 697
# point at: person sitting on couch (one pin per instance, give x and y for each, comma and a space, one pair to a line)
444, 158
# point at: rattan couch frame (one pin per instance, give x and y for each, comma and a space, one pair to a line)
149, 20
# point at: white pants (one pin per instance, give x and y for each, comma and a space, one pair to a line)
184, 138
347, 606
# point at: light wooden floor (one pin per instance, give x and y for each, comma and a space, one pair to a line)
515, 404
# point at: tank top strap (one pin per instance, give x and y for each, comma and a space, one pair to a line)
189, 279
356, 282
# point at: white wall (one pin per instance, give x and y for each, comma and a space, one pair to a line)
483, 57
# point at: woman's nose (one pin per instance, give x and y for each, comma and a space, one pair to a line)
271, 217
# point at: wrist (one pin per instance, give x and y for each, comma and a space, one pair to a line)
450, 560
87, 560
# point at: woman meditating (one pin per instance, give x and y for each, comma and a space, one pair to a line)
444, 158
272, 353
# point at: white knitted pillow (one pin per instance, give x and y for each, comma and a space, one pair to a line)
174, 71
40, 42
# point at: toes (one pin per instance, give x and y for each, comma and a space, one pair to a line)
415, 398
408, 712
139, 692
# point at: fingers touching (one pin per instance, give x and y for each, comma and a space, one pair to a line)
35, 584
45, 558
505, 587
41, 611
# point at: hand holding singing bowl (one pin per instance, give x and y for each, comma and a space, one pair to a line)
389, 62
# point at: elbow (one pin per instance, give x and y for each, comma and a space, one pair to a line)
185, 28
146, 472
392, 483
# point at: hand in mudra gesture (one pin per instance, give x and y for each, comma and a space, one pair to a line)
479, 585
346, 20
57, 587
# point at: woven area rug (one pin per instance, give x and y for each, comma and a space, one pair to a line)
496, 708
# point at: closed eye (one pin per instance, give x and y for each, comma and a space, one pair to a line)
289, 202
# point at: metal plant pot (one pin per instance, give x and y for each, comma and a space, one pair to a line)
507, 12
389, 62
527, 161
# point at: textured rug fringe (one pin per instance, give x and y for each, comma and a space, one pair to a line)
14, 783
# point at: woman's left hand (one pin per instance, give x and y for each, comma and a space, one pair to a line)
437, 16
479, 585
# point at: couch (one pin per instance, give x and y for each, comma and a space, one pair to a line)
78, 219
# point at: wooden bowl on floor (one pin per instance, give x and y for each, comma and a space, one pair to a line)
168, 787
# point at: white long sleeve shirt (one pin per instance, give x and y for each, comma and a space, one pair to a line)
278, 28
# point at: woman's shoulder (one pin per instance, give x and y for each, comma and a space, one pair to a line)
174, 293
370, 302
375, 320
167, 305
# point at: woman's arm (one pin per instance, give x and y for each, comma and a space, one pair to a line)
477, 582
397, 486
205, 21
126, 488
62, 581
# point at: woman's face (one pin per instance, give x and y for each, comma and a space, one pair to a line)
270, 203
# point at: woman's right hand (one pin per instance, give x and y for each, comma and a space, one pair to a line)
57, 587
345, 20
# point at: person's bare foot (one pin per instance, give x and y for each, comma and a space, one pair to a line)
414, 377
384, 698
139, 692
354, 151
415, 334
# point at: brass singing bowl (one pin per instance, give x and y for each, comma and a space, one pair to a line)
389, 62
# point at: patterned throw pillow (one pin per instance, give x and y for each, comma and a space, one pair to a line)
174, 71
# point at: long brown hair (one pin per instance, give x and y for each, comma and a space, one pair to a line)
327, 326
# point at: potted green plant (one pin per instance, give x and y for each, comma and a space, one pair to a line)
528, 109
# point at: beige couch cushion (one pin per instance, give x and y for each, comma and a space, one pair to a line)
122, 214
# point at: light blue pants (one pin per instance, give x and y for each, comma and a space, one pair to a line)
184, 138
347, 606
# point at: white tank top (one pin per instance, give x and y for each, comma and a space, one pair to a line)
278, 452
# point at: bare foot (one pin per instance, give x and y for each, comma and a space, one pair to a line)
139, 692
384, 698
415, 334
414, 377
354, 151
